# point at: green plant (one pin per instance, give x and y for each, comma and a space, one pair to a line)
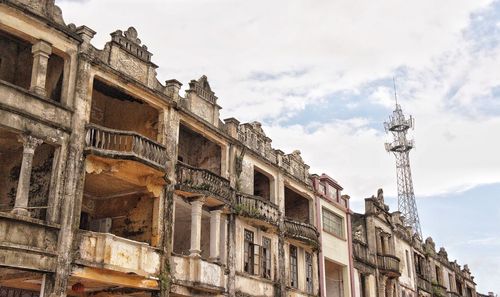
164, 280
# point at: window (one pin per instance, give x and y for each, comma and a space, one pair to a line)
309, 273
249, 253
408, 264
266, 258
450, 280
293, 267
333, 223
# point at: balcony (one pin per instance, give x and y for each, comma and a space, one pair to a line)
198, 274
302, 231
111, 252
119, 144
423, 284
362, 254
256, 207
389, 264
27, 243
192, 180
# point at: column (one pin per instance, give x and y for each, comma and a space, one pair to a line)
41, 52
196, 206
390, 288
23, 184
382, 286
215, 235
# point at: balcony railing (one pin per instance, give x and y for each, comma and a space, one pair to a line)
424, 284
256, 207
119, 254
361, 253
388, 263
203, 181
125, 144
301, 231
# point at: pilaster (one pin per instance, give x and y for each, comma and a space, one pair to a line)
41, 53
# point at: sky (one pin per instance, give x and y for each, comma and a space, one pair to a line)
318, 75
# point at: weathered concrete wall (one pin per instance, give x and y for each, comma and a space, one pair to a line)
53, 84
123, 114
182, 224
262, 185
16, 60
198, 151
10, 166
407, 278
296, 206
132, 216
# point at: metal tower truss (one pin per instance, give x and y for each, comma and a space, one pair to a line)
398, 125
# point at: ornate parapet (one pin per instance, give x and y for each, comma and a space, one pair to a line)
252, 136
44, 8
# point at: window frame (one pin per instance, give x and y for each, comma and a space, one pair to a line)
326, 227
266, 265
309, 272
294, 267
248, 252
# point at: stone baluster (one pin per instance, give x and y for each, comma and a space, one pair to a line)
23, 185
41, 52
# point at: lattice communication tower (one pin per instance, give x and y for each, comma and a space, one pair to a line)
399, 125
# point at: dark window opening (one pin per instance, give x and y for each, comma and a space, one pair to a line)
54, 80
266, 258
261, 185
249, 251
293, 267
16, 60
296, 206
309, 273
11, 152
115, 109
116, 206
198, 151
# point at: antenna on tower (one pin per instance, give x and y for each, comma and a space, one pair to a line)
395, 93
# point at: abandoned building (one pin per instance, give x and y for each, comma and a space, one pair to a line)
391, 260
113, 183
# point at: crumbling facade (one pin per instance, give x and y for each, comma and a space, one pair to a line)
390, 260
115, 184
